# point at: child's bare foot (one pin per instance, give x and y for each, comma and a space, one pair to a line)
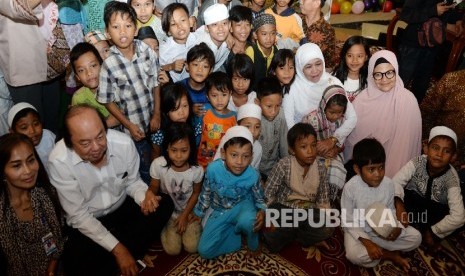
397, 259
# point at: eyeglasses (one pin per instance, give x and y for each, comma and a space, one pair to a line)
388, 74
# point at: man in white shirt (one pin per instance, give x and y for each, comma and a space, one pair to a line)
108, 207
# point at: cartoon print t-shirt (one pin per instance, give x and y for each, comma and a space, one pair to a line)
179, 185
214, 126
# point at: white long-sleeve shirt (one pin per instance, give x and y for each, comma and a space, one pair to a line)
357, 195
445, 189
87, 192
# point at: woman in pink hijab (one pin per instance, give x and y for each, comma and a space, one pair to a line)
389, 112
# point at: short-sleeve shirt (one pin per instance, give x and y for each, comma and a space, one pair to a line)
129, 83
85, 96
214, 126
179, 185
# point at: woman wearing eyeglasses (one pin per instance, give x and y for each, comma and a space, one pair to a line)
389, 112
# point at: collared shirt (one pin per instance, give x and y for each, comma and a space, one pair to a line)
87, 192
278, 186
250, 52
130, 83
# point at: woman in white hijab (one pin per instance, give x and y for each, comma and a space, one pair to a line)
307, 90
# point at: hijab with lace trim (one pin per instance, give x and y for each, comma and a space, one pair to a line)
304, 95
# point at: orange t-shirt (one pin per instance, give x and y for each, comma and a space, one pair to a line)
214, 126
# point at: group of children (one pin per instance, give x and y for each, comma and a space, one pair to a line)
210, 131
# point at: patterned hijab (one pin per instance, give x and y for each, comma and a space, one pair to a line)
318, 118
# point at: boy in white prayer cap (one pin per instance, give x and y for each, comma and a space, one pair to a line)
216, 31
250, 116
232, 190
428, 185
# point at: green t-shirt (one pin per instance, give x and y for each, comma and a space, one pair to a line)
85, 96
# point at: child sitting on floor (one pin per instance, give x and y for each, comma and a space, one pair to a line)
366, 246
232, 189
176, 174
298, 181
429, 184
325, 120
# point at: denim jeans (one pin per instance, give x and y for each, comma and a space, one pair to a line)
144, 150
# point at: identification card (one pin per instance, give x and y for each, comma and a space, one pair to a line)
50, 246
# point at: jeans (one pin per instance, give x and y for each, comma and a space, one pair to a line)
144, 149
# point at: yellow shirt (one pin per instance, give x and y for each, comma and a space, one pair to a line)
250, 52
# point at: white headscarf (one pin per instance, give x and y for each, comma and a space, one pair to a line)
304, 95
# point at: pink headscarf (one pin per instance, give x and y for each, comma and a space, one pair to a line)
393, 118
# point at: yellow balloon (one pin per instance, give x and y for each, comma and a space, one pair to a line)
346, 7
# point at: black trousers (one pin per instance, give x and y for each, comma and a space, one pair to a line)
426, 212
82, 256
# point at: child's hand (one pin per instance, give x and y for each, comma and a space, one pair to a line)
374, 251
150, 202
394, 234
401, 213
155, 122
259, 221
163, 77
181, 222
136, 133
193, 218
198, 109
178, 65
324, 146
230, 41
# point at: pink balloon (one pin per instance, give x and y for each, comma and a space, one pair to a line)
358, 7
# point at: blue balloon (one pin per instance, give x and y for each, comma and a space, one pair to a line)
374, 3
368, 4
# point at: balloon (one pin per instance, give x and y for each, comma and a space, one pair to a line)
335, 8
340, 2
374, 3
387, 7
368, 4
358, 7
381, 2
346, 7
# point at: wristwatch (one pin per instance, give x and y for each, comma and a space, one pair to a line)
335, 140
